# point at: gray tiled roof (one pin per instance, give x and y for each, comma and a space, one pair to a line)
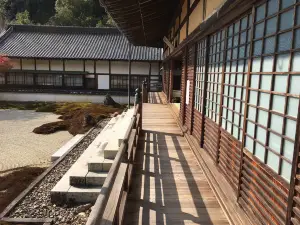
71, 42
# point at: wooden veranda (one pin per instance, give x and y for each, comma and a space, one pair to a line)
168, 185
156, 177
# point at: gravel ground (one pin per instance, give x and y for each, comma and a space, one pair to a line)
19, 146
37, 204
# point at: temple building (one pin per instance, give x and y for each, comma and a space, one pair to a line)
74, 64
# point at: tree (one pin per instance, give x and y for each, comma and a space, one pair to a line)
5, 63
107, 21
55, 12
75, 13
22, 18
2, 14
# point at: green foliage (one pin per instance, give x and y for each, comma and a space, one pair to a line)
76, 13
86, 13
22, 18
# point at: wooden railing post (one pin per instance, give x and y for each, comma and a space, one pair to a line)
144, 92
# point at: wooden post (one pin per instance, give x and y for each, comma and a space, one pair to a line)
144, 93
295, 172
171, 75
141, 116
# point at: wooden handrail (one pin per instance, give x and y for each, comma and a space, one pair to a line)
96, 216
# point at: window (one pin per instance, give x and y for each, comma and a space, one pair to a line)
119, 82
90, 81
16, 78
238, 45
214, 75
2, 78
49, 79
274, 86
200, 73
136, 81
73, 80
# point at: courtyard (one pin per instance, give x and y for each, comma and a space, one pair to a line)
19, 146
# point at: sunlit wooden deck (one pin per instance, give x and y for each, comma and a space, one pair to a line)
168, 186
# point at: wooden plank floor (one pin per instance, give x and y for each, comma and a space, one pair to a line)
168, 185
156, 98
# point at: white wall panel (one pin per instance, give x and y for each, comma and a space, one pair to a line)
155, 69
42, 65
119, 67
140, 68
103, 82
56, 65
102, 66
28, 64
89, 66
74, 65
16, 64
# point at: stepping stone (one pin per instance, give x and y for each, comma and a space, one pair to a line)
65, 148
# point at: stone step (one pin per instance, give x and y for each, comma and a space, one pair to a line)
110, 154
99, 164
75, 195
66, 147
83, 181
95, 178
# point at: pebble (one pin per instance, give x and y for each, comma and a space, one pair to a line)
37, 204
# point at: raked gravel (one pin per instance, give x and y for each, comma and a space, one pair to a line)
19, 146
37, 204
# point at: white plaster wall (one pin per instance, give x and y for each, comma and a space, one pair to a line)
42, 64
140, 68
57, 65
103, 82
89, 66
16, 64
74, 65
155, 69
102, 66
28, 64
119, 67
45, 97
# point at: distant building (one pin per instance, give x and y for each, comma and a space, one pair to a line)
74, 64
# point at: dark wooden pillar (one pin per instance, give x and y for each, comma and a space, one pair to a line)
171, 80
183, 86
294, 192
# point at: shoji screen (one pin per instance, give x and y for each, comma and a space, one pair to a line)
234, 95
200, 73
272, 109
274, 86
213, 96
201, 49
238, 49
